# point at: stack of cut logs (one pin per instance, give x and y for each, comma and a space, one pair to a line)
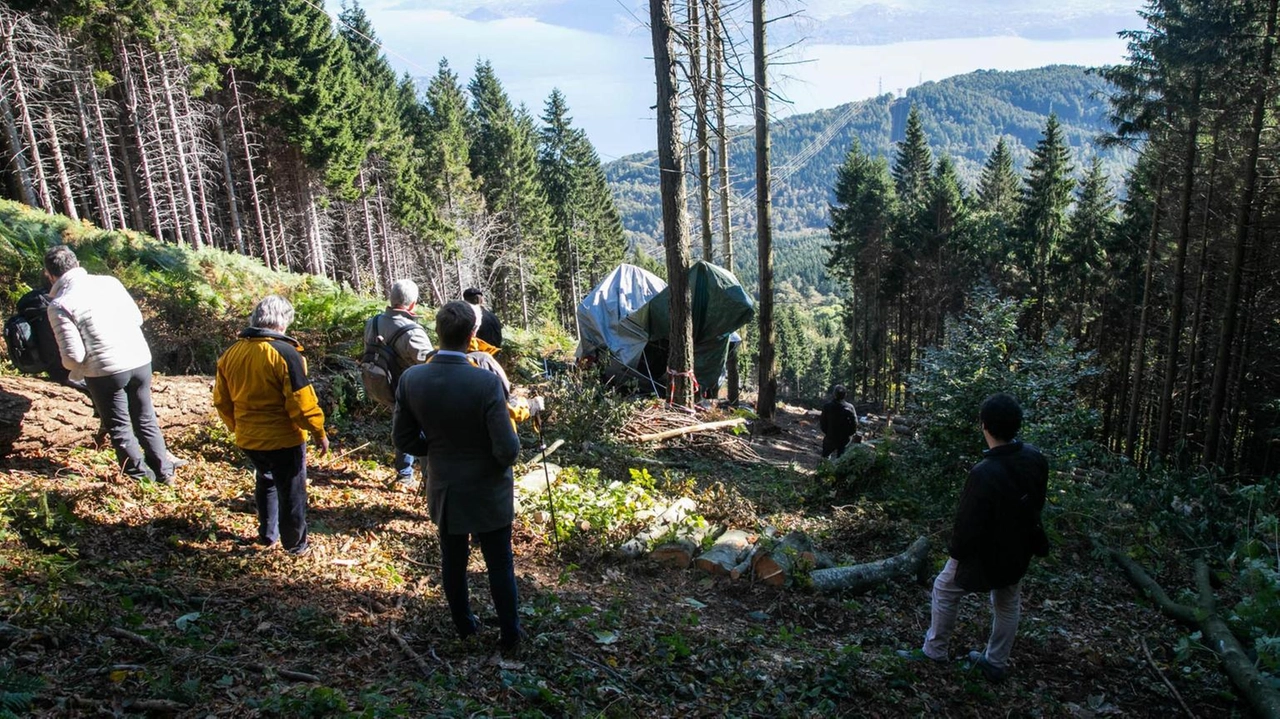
764, 558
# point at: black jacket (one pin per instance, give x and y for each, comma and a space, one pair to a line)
490, 328
838, 419
998, 523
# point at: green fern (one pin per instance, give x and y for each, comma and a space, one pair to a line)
17, 692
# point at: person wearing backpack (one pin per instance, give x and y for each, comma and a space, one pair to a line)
98, 329
393, 342
32, 347
997, 531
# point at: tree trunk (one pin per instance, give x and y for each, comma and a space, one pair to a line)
44, 199
60, 165
113, 181
861, 577
180, 146
699, 82
767, 366
197, 165
37, 415
253, 178
778, 565
1140, 341
675, 219
175, 212
1221, 369
370, 245
105, 217
26, 190
680, 550
140, 142
229, 179
1173, 344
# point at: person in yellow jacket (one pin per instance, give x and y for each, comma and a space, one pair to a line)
264, 397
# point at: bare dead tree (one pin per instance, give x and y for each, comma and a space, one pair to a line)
767, 365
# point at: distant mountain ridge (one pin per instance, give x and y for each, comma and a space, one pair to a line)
963, 117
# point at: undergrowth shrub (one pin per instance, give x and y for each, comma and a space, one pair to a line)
983, 353
581, 408
861, 469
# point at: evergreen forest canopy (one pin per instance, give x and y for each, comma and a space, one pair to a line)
266, 129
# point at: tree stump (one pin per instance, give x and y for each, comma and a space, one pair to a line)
37, 415
778, 565
725, 554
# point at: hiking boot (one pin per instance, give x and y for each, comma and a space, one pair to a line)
990, 672
303, 551
917, 655
406, 483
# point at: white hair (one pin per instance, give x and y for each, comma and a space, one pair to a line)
403, 293
272, 313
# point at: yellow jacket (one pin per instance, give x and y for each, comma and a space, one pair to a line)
263, 394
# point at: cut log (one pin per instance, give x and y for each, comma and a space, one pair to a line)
861, 577
725, 554
535, 480
1216, 634
705, 427
660, 520
778, 565
37, 415
679, 551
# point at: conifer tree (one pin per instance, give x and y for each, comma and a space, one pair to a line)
998, 184
912, 166
1046, 195
1083, 259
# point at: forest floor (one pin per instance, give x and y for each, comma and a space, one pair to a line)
126, 598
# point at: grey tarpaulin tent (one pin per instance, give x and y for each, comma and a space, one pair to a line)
628, 314
602, 311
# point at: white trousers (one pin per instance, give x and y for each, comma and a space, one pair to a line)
1006, 610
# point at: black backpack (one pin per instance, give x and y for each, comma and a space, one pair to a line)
27, 334
379, 366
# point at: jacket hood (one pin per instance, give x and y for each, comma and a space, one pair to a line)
257, 333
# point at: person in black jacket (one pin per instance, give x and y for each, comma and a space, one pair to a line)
839, 423
997, 530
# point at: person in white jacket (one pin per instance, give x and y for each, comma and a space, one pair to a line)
99, 332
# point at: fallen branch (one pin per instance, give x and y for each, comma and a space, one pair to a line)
1163, 678
547, 452
125, 634
861, 577
705, 427
289, 674
423, 667
1216, 634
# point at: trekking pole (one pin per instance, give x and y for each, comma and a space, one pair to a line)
546, 474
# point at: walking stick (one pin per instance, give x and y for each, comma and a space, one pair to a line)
546, 473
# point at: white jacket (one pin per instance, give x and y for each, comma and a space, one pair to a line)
97, 325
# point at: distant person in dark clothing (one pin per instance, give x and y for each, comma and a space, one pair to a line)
839, 423
997, 530
490, 327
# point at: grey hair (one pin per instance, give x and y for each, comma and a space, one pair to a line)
272, 313
403, 293
59, 260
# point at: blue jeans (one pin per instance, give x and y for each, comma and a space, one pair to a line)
496, 548
281, 480
123, 401
404, 466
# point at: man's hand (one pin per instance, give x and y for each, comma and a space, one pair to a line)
322, 439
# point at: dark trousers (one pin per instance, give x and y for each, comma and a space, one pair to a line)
496, 548
834, 445
123, 401
281, 482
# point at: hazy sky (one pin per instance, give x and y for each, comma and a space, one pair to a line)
606, 73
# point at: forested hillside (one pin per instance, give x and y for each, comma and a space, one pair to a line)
963, 118
271, 131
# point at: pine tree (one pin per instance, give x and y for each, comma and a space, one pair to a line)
998, 184
1046, 195
912, 166
1083, 259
